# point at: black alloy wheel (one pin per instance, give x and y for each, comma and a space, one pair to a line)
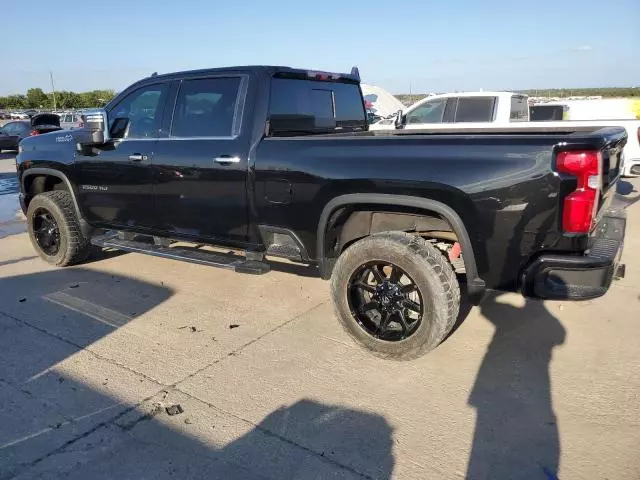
385, 301
46, 231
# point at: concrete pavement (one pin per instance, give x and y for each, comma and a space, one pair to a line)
271, 388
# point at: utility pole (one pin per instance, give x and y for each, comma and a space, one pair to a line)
53, 90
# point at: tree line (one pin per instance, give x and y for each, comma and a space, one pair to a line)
35, 98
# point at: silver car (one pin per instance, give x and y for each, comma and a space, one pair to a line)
71, 120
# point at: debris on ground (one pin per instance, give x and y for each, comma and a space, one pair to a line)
233, 325
75, 285
22, 300
60, 379
188, 421
174, 409
192, 328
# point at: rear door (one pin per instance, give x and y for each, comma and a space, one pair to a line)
115, 183
200, 168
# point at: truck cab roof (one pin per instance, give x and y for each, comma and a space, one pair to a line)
353, 76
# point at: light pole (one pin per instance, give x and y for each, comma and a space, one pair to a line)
53, 90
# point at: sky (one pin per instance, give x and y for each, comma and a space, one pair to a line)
403, 46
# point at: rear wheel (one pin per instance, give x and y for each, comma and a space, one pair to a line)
395, 294
54, 229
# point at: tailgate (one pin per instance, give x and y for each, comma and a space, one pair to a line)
611, 163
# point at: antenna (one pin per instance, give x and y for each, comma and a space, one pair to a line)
355, 72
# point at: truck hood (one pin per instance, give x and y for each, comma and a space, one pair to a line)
58, 146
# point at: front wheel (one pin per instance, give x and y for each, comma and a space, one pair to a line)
395, 294
54, 229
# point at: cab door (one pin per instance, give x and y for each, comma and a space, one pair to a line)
201, 166
115, 183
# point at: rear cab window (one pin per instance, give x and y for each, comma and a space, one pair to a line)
302, 106
475, 109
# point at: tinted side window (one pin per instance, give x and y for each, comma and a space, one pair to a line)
429, 112
475, 109
519, 109
206, 107
142, 107
546, 113
306, 105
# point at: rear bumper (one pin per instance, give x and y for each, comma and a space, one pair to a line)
581, 277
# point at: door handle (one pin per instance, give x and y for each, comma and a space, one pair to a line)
226, 160
137, 157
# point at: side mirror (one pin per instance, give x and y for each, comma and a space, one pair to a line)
95, 131
399, 121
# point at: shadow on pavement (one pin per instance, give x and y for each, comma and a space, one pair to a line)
71, 413
516, 435
16, 260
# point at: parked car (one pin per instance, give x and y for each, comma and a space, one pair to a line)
278, 162
12, 133
71, 120
467, 110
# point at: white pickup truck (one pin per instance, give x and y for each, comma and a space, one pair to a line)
463, 109
479, 110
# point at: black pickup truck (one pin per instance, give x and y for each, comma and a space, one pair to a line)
278, 162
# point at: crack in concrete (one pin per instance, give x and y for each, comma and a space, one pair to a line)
68, 443
235, 352
319, 455
146, 417
83, 348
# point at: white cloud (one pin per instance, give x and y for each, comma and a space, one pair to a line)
584, 48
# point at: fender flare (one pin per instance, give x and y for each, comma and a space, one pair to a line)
475, 285
84, 226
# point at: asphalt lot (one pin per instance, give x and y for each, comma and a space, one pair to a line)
271, 388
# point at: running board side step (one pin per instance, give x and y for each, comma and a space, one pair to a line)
185, 254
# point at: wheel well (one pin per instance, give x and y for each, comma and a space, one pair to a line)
35, 184
349, 224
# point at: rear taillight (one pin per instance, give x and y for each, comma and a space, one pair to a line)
581, 206
34, 132
80, 125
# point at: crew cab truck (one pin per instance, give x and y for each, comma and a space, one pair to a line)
465, 110
278, 162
